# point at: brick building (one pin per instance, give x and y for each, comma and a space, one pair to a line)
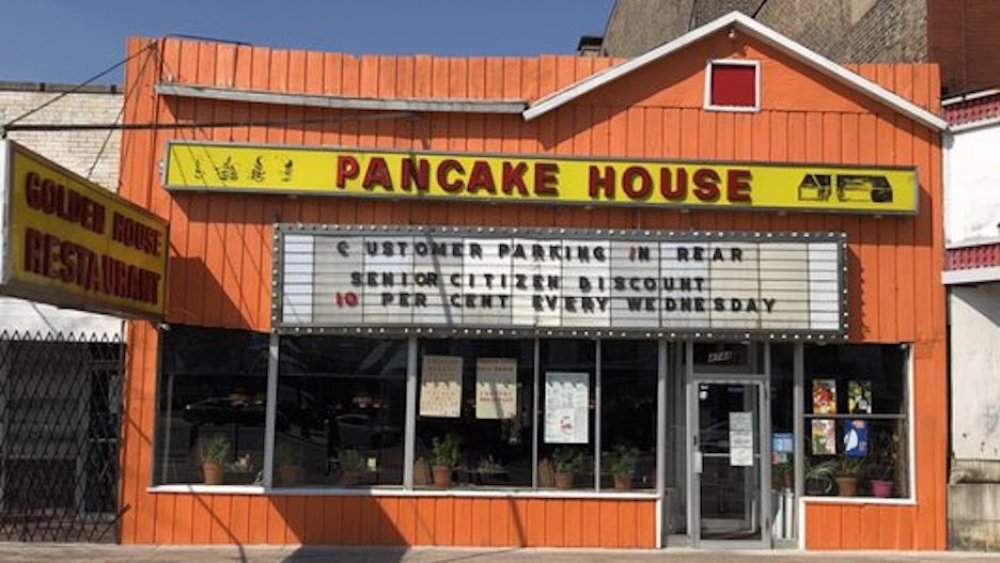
958, 35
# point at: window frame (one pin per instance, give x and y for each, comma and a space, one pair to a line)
801, 417
709, 106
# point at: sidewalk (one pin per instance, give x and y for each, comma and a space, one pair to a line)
51, 553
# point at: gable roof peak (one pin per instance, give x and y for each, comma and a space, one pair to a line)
753, 28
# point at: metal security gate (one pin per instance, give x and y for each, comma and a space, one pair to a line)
60, 426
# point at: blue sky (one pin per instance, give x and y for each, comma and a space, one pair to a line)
71, 40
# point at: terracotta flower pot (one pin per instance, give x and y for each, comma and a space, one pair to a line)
882, 488
214, 473
290, 474
442, 476
623, 482
847, 486
564, 480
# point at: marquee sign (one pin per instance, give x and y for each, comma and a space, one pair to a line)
71, 243
558, 282
538, 179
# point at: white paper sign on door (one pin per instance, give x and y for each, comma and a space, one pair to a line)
741, 439
441, 386
567, 401
496, 388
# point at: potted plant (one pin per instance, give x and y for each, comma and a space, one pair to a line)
490, 471
819, 477
848, 473
290, 469
352, 466
445, 459
214, 454
783, 474
621, 465
566, 461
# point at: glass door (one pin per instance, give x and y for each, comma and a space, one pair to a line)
727, 454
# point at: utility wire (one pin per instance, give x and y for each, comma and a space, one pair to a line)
757, 11
129, 90
7, 126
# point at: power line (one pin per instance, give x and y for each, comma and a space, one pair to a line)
7, 126
757, 11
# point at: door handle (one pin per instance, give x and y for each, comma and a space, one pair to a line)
697, 462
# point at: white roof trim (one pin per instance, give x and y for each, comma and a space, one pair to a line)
341, 102
758, 31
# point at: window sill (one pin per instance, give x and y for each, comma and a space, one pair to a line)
397, 492
860, 500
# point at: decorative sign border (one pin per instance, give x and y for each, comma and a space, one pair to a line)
283, 229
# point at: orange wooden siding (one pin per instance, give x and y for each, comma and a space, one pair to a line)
221, 249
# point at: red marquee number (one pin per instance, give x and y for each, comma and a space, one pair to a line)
350, 299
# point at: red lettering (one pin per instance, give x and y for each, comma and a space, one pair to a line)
347, 169
51, 194
50, 250
416, 172
481, 178
738, 185
673, 191
68, 259
377, 174
513, 176
546, 178
706, 183
446, 167
628, 182
605, 183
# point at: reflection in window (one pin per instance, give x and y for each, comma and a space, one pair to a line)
341, 412
474, 410
211, 404
628, 417
855, 421
566, 423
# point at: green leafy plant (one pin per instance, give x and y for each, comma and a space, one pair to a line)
819, 476
352, 460
622, 460
489, 466
445, 451
852, 466
783, 473
567, 460
215, 450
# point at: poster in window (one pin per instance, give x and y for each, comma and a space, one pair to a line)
856, 438
824, 437
824, 394
741, 439
567, 400
496, 388
441, 386
859, 397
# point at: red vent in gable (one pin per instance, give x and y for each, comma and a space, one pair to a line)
733, 85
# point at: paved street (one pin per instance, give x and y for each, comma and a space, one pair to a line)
23, 553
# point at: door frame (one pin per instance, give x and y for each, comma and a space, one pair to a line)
762, 381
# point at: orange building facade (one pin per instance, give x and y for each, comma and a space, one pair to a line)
801, 404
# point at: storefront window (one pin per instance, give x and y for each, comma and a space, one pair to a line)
211, 406
567, 403
783, 503
628, 414
341, 412
856, 421
474, 415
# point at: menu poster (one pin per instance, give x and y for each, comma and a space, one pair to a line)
567, 401
824, 396
859, 397
824, 437
441, 386
496, 388
741, 439
856, 438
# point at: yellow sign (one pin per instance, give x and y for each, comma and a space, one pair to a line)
591, 181
73, 244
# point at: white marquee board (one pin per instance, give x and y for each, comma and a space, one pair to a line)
559, 282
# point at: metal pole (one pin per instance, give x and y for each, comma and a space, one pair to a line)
534, 419
661, 437
597, 416
410, 432
271, 410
